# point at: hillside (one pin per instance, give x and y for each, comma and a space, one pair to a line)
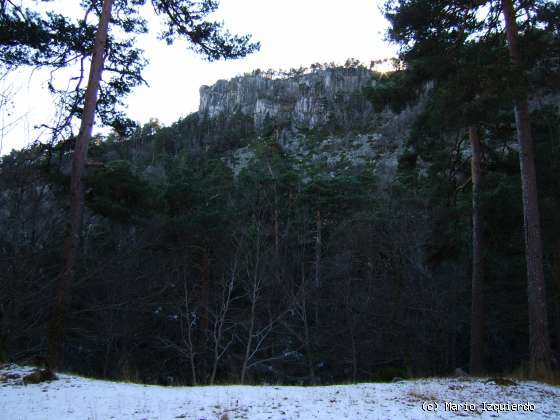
288, 232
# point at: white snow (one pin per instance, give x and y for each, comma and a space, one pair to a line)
74, 397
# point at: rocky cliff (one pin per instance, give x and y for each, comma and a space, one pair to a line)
323, 99
319, 119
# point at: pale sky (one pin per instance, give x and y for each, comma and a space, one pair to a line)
292, 33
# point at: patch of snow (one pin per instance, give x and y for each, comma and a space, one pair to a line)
74, 397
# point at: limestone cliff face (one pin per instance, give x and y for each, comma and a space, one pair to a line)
329, 98
320, 119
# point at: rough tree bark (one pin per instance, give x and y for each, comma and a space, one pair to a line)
72, 241
539, 342
477, 303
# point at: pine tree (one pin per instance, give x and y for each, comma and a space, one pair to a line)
437, 43
34, 40
540, 358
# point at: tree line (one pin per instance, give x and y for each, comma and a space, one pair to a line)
279, 274
479, 59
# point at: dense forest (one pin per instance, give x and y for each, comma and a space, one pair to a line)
322, 225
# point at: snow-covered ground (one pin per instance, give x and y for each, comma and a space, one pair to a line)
73, 397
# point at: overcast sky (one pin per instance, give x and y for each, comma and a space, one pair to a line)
292, 33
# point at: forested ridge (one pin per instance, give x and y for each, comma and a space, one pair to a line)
318, 229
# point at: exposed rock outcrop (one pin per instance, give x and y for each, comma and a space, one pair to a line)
321, 119
329, 98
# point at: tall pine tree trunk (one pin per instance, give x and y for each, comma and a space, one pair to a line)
74, 227
477, 303
539, 343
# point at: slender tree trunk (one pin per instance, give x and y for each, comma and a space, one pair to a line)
255, 286
219, 323
318, 248
205, 291
276, 232
477, 303
306, 332
539, 343
215, 362
250, 334
72, 241
354, 358
276, 225
318, 255
189, 340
